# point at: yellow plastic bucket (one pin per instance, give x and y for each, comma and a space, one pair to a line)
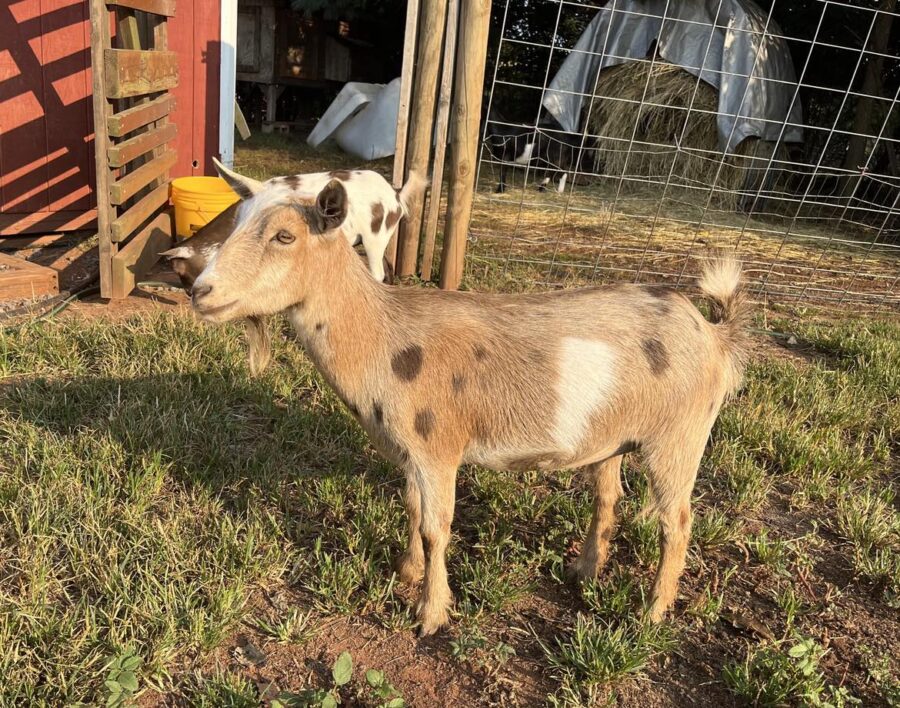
199, 200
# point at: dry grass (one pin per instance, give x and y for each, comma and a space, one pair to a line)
643, 111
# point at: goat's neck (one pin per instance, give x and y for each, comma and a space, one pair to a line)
343, 322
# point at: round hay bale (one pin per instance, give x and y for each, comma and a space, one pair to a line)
660, 115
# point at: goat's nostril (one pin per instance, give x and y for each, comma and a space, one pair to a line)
199, 291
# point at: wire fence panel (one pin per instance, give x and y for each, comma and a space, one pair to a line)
623, 139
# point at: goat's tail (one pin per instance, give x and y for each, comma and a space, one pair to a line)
259, 342
414, 187
721, 283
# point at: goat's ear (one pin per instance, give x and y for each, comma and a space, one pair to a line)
178, 252
244, 187
331, 205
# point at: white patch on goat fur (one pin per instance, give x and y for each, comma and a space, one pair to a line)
525, 157
586, 380
562, 183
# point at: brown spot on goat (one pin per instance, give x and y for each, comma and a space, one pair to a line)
657, 356
459, 383
320, 326
684, 518
480, 353
340, 174
377, 217
424, 423
292, 182
407, 363
377, 412
392, 218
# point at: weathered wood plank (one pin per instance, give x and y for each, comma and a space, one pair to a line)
125, 152
140, 253
100, 41
124, 189
125, 225
20, 279
157, 7
131, 119
474, 21
130, 72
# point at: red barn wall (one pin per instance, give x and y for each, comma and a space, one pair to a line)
46, 111
46, 116
194, 35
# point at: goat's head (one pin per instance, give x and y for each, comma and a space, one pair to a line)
265, 265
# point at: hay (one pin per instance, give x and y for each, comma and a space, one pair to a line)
661, 121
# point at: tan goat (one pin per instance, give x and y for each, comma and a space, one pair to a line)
566, 379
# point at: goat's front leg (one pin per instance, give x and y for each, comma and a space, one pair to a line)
411, 565
437, 484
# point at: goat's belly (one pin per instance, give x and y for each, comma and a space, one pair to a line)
521, 460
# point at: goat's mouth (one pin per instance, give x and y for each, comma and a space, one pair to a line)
214, 314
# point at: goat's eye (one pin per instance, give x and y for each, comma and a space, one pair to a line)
284, 237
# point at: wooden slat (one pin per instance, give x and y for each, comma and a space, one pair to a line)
440, 145
157, 7
125, 225
125, 152
474, 22
100, 41
140, 253
124, 189
130, 72
126, 121
20, 279
406, 81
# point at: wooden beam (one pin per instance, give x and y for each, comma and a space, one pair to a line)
473, 21
126, 224
131, 119
23, 280
157, 7
126, 151
130, 72
421, 133
440, 147
124, 189
100, 41
240, 122
140, 253
406, 81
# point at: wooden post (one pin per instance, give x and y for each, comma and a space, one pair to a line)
440, 148
474, 20
100, 39
421, 135
406, 81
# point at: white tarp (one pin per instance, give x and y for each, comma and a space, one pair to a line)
362, 120
717, 40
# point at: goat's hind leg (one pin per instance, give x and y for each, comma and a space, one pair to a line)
607, 482
671, 484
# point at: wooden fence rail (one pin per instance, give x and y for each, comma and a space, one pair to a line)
132, 136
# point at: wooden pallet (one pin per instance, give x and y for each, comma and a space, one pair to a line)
22, 280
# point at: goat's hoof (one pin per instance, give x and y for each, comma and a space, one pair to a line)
500, 189
409, 569
656, 613
431, 620
578, 570
542, 188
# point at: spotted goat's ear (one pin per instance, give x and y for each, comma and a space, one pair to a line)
331, 205
244, 187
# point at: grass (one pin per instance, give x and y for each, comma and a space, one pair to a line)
149, 490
